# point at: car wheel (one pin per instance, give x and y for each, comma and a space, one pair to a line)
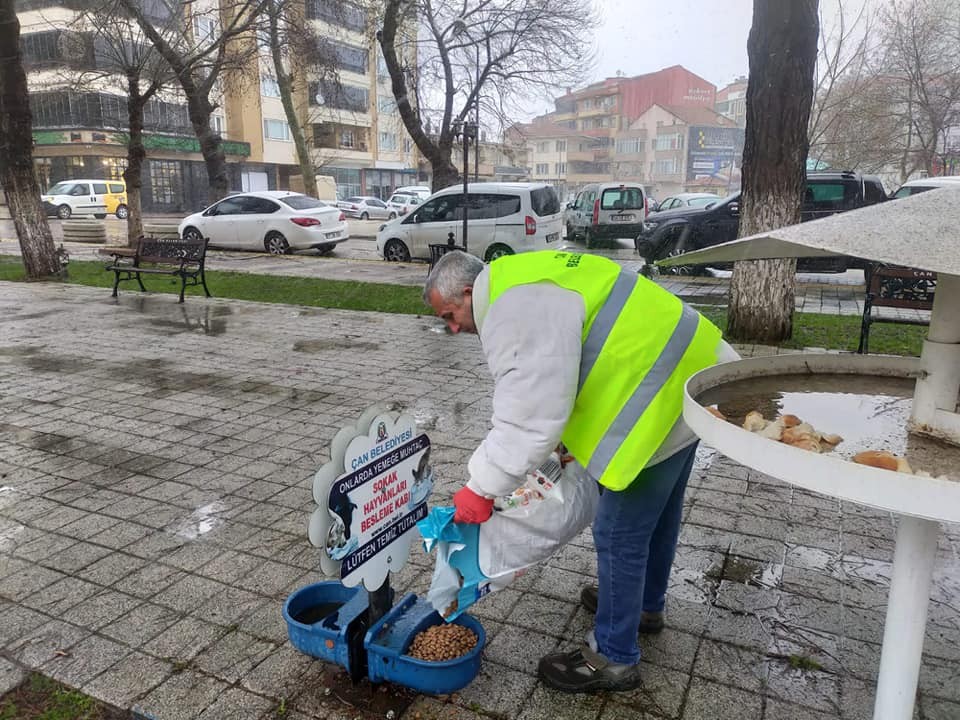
396, 251
675, 244
364, 216
571, 235
276, 244
123, 212
587, 238
497, 250
192, 234
64, 212
100, 216
391, 216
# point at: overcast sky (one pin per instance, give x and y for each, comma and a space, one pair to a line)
708, 38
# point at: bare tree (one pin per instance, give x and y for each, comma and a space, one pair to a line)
121, 54
445, 56
921, 76
782, 54
208, 44
299, 58
16, 154
843, 73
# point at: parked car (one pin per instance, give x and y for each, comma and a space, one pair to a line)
674, 232
421, 191
366, 208
402, 203
86, 197
682, 200
914, 187
504, 218
606, 210
275, 221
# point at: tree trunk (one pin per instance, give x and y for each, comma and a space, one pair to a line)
782, 52
200, 110
16, 155
136, 154
285, 82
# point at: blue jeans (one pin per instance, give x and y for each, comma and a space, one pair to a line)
635, 533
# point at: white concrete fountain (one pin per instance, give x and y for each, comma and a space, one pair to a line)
921, 231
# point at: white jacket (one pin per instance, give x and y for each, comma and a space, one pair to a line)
531, 339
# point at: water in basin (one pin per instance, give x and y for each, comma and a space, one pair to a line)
869, 412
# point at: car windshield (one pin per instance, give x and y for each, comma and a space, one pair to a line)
400, 199
622, 198
61, 188
702, 201
544, 201
354, 200
302, 202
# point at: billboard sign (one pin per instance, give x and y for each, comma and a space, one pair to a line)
714, 152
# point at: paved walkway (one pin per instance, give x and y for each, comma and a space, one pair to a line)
155, 472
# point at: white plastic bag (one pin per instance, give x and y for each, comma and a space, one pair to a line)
528, 527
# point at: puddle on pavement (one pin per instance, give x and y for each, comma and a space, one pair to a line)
20, 350
704, 299
318, 346
201, 521
29, 316
868, 412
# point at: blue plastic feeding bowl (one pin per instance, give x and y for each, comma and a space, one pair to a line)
318, 617
388, 640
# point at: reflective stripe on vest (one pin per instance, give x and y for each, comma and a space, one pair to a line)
639, 346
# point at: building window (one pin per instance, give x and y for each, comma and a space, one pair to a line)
630, 145
165, 181
350, 58
543, 169
113, 168
339, 96
337, 12
408, 145
347, 139
386, 104
561, 145
204, 29
269, 87
388, 141
275, 129
666, 167
561, 169
66, 109
543, 147
218, 125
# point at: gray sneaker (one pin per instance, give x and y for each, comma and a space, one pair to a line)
585, 671
650, 622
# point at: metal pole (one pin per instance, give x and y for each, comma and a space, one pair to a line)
466, 178
476, 115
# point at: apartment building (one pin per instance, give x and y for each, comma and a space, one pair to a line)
683, 149
499, 162
594, 126
732, 101
357, 135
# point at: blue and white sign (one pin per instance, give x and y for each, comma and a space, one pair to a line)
368, 511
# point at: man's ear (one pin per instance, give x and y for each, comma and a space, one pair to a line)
468, 291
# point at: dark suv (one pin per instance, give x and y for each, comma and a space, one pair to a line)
678, 231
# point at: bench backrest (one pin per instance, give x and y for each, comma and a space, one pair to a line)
165, 250
902, 287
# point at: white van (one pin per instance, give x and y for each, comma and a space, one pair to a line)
913, 187
607, 211
502, 219
86, 197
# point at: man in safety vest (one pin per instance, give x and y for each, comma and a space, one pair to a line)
586, 353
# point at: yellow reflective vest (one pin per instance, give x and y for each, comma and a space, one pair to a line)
640, 344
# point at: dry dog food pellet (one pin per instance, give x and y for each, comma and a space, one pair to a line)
442, 642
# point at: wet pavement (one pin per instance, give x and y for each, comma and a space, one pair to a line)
155, 480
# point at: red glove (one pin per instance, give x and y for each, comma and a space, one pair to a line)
471, 508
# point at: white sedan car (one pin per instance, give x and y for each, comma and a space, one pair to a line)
275, 221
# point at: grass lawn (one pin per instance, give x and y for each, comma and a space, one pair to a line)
40, 698
834, 332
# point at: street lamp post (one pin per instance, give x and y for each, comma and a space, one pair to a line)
466, 130
460, 28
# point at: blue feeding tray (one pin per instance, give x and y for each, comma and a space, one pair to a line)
388, 640
319, 617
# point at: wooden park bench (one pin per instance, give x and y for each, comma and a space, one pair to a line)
892, 286
160, 256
